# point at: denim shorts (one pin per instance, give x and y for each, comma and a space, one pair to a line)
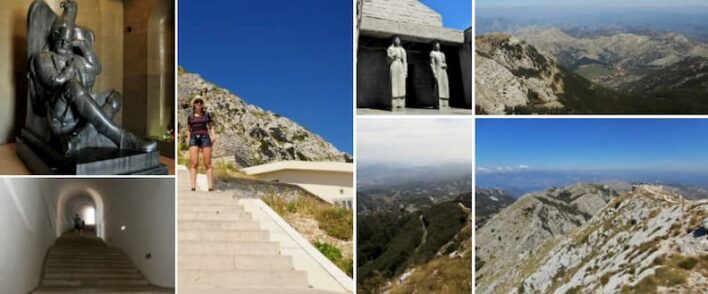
200, 141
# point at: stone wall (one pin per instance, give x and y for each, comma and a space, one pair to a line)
466, 64
104, 17
246, 188
409, 11
149, 63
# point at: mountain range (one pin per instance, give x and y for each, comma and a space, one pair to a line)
248, 133
547, 70
595, 238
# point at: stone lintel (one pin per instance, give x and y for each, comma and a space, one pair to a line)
382, 28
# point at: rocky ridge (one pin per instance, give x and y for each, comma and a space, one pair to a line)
249, 133
488, 202
647, 240
510, 73
516, 232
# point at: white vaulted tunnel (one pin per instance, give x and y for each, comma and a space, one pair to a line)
135, 216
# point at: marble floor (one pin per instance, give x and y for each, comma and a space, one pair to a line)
10, 164
414, 111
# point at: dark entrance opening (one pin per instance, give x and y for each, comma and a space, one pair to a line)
373, 81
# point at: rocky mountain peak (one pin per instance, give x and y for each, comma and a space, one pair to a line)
249, 133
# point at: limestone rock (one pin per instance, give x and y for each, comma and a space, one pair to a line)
632, 241
511, 73
248, 133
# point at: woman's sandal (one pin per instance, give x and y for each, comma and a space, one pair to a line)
211, 189
194, 189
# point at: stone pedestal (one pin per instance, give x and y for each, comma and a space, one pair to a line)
42, 159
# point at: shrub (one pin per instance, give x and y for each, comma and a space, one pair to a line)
336, 222
688, 263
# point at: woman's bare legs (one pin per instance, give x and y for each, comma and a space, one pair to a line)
207, 165
194, 158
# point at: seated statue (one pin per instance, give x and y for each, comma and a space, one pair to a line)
62, 71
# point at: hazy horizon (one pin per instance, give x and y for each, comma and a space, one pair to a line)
685, 19
414, 142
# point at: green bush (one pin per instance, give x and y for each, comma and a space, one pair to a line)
335, 255
688, 263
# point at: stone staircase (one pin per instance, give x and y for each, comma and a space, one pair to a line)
84, 264
222, 249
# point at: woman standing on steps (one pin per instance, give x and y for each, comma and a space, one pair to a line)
202, 136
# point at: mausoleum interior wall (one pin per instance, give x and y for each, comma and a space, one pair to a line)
149, 64
373, 81
104, 17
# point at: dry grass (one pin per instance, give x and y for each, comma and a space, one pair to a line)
333, 223
440, 275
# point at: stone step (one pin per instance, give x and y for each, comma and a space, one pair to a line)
224, 248
91, 275
218, 225
93, 265
94, 283
256, 235
235, 262
215, 216
87, 256
235, 279
209, 202
122, 290
252, 290
98, 260
210, 208
89, 270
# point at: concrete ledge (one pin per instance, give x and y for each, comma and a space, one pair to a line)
322, 274
382, 28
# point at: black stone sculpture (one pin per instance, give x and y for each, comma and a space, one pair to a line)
69, 128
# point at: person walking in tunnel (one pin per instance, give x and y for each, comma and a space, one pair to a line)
77, 224
202, 136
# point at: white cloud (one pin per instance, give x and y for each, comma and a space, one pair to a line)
503, 169
414, 141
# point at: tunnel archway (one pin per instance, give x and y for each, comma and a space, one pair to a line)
86, 202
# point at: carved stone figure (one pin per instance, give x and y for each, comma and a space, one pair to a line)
67, 119
398, 70
61, 75
439, 67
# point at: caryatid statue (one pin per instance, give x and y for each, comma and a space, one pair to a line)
398, 70
439, 67
62, 71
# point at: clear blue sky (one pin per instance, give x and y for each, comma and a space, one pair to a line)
589, 3
456, 14
291, 57
586, 144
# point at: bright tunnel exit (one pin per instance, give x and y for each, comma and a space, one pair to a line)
88, 214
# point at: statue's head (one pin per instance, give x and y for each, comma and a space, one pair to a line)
436, 45
63, 28
396, 40
62, 35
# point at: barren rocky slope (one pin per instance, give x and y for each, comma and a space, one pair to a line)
511, 73
489, 202
647, 240
251, 134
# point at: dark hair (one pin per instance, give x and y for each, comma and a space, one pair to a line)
198, 100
